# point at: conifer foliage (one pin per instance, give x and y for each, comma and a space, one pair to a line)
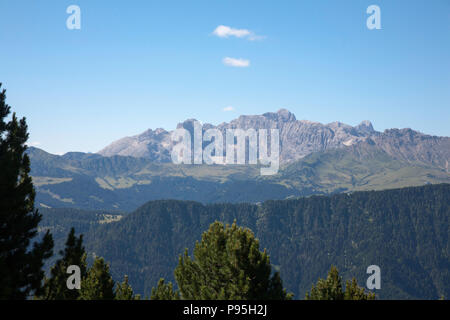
331, 289
98, 284
164, 291
125, 292
20, 266
55, 287
227, 265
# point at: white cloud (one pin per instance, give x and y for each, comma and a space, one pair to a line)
225, 32
232, 62
229, 108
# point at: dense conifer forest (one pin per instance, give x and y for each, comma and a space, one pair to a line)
404, 231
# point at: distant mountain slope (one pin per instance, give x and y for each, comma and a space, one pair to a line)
298, 138
90, 181
404, 231
317, 159
358, 167
412, 146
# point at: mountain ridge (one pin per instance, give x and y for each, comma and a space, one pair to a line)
324, 159
298, 138
91, 181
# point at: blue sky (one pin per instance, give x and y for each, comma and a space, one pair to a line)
135, 65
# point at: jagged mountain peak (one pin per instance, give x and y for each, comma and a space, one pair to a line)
187, 124
151, 132
366, 123
281, 115
298, 138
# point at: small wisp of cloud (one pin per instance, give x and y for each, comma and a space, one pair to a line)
233, 62
228, 109
226, 32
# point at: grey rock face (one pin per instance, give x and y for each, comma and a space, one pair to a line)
410, 145
298, 138
152, 144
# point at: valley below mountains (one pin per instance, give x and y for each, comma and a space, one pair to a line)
315, 159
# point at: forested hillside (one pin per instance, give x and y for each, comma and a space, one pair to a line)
404, 231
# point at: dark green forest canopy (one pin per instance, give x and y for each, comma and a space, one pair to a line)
404, 231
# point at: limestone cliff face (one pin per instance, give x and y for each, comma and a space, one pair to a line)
152, 144
299, 138
410, 145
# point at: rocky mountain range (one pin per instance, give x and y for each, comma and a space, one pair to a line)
298, 138
315, 159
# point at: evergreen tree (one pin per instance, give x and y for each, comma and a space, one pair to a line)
55, 287
20, 268
227, 264
125, 292
98, 284
164, 292
354, 292
331, 289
